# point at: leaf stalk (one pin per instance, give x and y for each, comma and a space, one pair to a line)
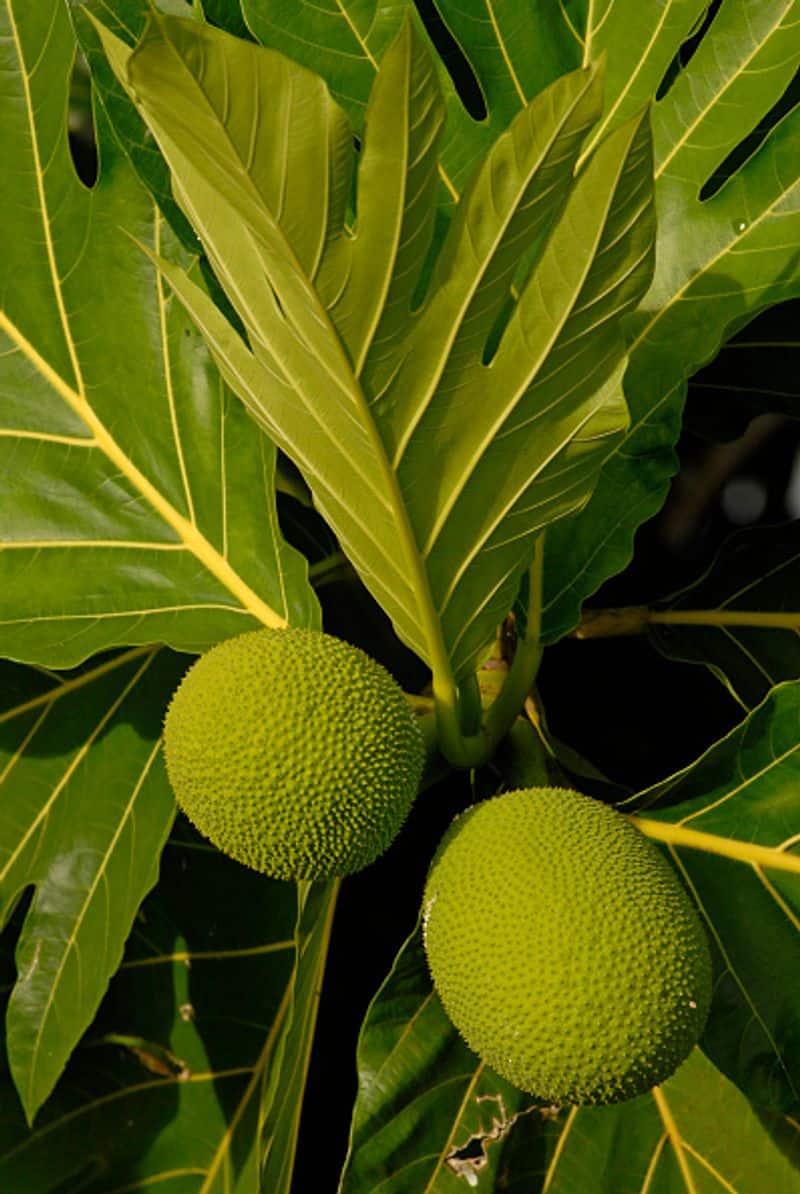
464, 749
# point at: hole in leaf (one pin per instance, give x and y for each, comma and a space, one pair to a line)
464, 78
688, 49
80, 125
749, 144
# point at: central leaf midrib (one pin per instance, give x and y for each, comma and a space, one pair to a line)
79, 403
195, 542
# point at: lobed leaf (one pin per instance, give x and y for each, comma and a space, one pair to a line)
745, 58
126, 468
127, 19
85, 811
731, 824
166, 1088
373, 387
549, 402
729, 256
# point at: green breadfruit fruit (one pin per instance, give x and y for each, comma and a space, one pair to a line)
564, 947
293, 752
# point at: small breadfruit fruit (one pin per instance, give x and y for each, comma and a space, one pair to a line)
293, 752
565, 948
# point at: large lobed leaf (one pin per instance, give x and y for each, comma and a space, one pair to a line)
138, 506
137, 501
166, 1088
719, 260
732, 826
85, 811
730, 253
368, 393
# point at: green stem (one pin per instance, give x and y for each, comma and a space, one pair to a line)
786, 620
466, 749
634, 619
460, 749
320, 571
527, 657
280, 1131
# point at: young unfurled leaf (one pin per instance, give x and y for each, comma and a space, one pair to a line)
385, 406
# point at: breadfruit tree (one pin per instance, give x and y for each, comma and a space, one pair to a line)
396, 400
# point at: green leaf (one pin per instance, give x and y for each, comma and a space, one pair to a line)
549, 403
85, 811
728, 256
429, 1114
670, 1141
641, 44
127, 19
345, 41
741, 618
283, 1100
443, 562
513, 53
165, 1088
110, 535
732, 827
744, 61
340, 40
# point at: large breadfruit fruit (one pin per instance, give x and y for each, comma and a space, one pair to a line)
293, 752
564, 947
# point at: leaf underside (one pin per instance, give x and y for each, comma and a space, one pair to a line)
335, 343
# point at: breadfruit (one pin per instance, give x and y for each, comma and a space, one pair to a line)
293, 752
565, 948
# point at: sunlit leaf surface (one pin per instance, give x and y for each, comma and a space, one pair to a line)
732, 827
727, 253
136, 498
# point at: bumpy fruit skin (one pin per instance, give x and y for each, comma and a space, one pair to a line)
564, 947
293, 752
